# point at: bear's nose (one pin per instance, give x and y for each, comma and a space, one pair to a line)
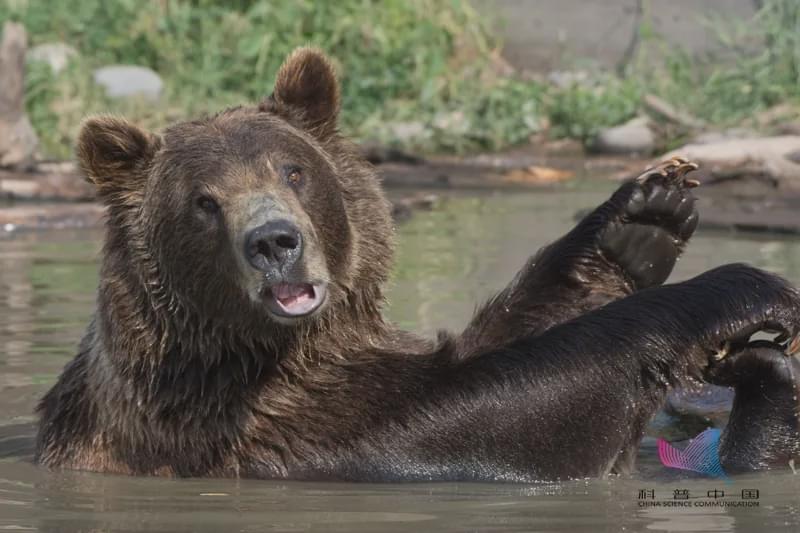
277, 245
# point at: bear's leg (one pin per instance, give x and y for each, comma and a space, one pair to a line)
764, 426
634, 349
574, 400
630, 242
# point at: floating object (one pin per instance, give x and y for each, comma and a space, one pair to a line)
701, 455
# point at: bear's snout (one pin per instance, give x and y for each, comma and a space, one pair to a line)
275, 247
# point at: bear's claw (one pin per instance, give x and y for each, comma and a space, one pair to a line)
790, 343
674, 170
793, 346
723, 351
786, 340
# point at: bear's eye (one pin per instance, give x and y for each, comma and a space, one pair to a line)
207, 204
293, 175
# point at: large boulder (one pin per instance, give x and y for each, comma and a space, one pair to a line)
633, 137
123, 81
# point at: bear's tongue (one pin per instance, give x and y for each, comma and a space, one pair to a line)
295, 298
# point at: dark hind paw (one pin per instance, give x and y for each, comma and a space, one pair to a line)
657, 217
764, 424
759, 363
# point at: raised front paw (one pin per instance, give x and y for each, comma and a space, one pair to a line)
656, 216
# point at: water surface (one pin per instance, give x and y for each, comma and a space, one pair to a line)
448, 260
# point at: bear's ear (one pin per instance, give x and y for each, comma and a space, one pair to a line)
114, 155
306, 90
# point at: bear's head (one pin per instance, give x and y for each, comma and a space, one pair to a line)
258, 214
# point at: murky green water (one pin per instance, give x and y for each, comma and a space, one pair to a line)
448, 260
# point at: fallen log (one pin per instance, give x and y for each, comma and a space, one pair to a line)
18, 141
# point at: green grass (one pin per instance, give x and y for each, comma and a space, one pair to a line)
580, 111
428, 63
400, 60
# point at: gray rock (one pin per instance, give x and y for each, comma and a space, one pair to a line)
123, 81
57, 55
633, 137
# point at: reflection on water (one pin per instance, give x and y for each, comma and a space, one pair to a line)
448, 260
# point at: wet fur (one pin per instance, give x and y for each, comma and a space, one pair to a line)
555, 377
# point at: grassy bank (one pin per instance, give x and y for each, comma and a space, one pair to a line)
423, 74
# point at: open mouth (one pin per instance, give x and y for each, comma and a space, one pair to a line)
295, 300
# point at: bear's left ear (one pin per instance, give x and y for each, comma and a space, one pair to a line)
114, 155
306, 91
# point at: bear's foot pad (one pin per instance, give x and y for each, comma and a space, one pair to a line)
657, 219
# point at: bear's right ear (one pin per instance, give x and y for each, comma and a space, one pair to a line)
114, 155
306, 92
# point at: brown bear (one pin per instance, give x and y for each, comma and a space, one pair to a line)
239, 327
